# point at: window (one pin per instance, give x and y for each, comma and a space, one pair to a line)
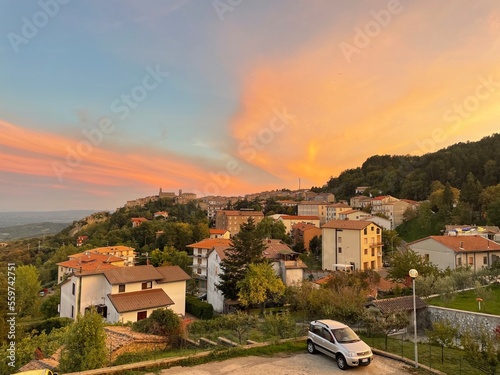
339, 239
72, 311
366, 251
378, 230
471, 260
73, 287
199, 260
365, 265
147, 285
426, 257
365, 231
142, 315
459, 261
365, 241
485, 260
373, 252
373, 228
121, 288
340, 250
373, 264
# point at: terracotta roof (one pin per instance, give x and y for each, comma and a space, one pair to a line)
339, 205
221, 251
111, 249
209, 243
91, 256
390, 305
292, 217
275, 248
352, 212
313, 203
464, 243
139, 219
380, 197
172, 273
217, 231
347, 224
141, 300
125, 275
304, 226
87, 265
240, 213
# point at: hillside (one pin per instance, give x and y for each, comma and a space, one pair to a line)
30, 230
410, 177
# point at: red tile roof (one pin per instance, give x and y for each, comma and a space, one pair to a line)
141, 300
87, 265
172, 273
348, 224
92, 256
217, 231
292, 217
351, 212
209, 243
464, 243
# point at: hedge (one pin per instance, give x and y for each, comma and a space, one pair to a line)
199, 309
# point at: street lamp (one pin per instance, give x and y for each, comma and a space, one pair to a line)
413, 274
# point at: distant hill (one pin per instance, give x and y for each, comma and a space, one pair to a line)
9, 219
405, 176
30, 230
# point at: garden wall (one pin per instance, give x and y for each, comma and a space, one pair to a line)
464, 319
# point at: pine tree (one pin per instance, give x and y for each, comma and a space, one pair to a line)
247, 247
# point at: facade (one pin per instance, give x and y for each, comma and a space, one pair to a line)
353, 215
392, 210
289, 221
454, 252
489, 232
231, 220
137, 221
312, 208
302, 232
334, 210
380, 221
219, 233
199, 252
360, 201
125, 294
351, 242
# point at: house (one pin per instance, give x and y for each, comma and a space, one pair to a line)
334, 210
87, 262
360, 201
312, 208
163, 214
352, 242
199, 252
231, 220
290, 220
402, 304
125, 252
325, 197
353, 215
304, 233
453, 252
489, 232
219, 233
137, 221
124, 294
361, 189
393, 210
80, 240
285, 261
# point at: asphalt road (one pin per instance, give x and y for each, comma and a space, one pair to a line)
298, 364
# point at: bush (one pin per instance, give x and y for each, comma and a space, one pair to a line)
48, 325
163, 323
199, 309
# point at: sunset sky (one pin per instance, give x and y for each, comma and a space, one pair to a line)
106, 101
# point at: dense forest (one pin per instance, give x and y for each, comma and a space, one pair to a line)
410, 177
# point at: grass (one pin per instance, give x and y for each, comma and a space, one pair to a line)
454, 360
467, 301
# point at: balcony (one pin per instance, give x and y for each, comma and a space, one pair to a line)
380, 244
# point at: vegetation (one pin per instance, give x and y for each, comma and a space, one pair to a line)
403, 261
466, 300
163, 322
199, 309
85, 344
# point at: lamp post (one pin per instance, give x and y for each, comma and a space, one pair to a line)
413, 274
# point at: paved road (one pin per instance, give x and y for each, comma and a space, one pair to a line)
298, 364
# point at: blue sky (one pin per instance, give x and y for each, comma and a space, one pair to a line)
252, 95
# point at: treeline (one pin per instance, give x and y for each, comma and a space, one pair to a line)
410, 177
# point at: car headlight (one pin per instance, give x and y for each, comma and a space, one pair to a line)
351, 354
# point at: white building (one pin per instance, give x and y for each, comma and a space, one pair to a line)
125, 294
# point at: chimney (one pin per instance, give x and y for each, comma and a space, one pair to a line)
461, 245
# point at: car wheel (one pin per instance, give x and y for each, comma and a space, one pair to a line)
341, 362
310, 347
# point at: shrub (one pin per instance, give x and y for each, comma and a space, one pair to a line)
199, 309
163, 323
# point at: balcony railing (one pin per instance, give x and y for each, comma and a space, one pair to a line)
376, 244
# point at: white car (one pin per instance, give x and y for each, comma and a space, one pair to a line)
338, 341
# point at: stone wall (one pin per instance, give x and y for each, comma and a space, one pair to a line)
464, 320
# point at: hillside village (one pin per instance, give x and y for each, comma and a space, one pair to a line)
195, 257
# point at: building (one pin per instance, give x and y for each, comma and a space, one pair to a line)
334, 210
380, 221
453, 252
80, 240
125, 294
361, 189
231, 220
351, 242
312, 208
125, 252
360, 201
353, 215
199, 252
393, 210
285, 261
304, 233
289, 221
324, 197
137, 221
219, 233
489, 232
158, 214
87, 262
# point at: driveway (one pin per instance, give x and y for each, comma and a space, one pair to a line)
298, 364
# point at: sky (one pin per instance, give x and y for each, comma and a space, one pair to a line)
107, 101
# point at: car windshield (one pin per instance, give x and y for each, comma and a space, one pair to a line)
345, 335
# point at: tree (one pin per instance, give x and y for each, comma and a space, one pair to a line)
391, 240
404, 261
240, 323
315, 245
85, 344
378, 322
471, 191
162, 322
259, 285
270, 228
50, 305
443, 333
27, 289
247, 247
171, 257
483, 351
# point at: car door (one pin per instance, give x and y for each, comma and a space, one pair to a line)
328, 342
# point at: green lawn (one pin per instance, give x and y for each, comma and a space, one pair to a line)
467, 301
